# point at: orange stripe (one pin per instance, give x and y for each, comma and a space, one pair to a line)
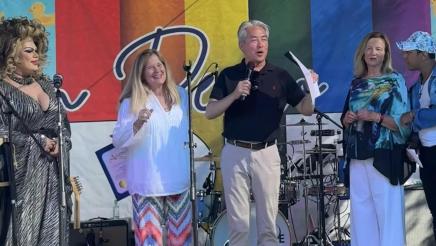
139, 17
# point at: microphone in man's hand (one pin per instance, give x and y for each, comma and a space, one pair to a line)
250, 66
57, 80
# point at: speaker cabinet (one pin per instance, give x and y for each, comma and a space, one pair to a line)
100, 232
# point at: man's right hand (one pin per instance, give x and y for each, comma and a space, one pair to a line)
242, 89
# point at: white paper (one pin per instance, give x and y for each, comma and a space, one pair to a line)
312, 85
413, 156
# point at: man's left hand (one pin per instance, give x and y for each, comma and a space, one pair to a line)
315, 76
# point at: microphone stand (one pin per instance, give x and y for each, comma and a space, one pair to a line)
192, 145
61, 165
328, 118
321, 231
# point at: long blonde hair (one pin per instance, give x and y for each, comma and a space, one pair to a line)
138, 90
360, 67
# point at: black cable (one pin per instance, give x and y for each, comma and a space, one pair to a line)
204, 74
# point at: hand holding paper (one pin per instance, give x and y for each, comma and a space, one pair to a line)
413, 156
309, 75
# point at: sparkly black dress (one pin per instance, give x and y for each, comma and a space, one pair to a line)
36, 173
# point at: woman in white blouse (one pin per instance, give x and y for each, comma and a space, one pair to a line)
152, 124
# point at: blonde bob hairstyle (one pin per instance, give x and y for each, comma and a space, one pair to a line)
15, 31
138, 90
360, 66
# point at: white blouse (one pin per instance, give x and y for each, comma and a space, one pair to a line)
158, 163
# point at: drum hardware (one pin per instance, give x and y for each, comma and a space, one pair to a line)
209, 157
209, 207
332, 190
302, 122
220, 229
326, 132
309, 165
295, 142
319, 154
288, 193
302, 177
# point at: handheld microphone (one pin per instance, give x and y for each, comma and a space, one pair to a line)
57, 80
250, 66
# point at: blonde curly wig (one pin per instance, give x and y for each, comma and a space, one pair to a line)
13, 32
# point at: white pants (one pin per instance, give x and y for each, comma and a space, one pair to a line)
377, 207
259, 170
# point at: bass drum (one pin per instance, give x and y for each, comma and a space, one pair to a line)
220, 231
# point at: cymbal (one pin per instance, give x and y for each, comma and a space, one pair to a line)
303, 122
295, 142
209, 158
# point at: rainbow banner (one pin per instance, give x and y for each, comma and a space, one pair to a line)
93, 43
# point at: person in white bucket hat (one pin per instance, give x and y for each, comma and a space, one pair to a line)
420, 41
419, 54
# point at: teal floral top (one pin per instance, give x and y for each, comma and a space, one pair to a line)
386, 94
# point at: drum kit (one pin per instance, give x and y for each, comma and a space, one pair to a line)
212, 214
298, 181
316, 174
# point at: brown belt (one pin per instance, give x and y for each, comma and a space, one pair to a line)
254, 146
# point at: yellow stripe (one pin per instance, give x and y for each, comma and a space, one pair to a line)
219, 20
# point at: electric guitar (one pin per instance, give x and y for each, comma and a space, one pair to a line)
77, 190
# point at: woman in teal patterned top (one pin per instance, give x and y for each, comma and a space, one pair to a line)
375, 144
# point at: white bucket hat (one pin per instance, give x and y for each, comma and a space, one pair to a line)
418, 41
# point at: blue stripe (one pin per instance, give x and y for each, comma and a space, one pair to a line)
337, 28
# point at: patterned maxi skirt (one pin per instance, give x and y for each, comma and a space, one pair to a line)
162, 221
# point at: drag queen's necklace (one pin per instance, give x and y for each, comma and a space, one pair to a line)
21, 81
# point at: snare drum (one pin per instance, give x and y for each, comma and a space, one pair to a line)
220, 230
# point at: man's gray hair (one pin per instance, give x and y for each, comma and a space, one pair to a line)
242, 30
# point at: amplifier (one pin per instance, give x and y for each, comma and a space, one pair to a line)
100, 232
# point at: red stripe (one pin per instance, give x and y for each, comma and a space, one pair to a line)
88, 40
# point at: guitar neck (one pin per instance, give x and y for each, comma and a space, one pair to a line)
77, 212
